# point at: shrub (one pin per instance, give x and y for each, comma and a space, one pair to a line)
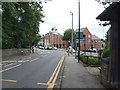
91, 60
105, 52
94, 61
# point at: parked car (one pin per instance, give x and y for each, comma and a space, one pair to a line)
49, 48
40, 47
55, 48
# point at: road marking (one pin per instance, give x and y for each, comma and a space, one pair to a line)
54, 72
33, 60
9, 61
52, 80
42, 83
25, 61
5, 80
8, 65
11, 68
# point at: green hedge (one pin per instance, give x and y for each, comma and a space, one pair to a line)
90, 61
106, 52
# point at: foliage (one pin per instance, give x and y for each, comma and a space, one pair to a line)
68, 34
105, 3
20, 24
91, 60
106, 52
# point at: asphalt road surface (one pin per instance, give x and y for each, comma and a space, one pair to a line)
35, 73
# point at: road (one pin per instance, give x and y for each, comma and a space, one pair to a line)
35, 73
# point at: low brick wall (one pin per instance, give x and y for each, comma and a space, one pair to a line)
11, 52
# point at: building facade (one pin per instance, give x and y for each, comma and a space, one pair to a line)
97, 42
53, 39
85, 38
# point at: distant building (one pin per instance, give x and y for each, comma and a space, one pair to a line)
85, 43
87, 39
53, 39
97, 42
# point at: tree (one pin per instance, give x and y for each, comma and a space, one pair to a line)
105, 3
20, 23
68, 34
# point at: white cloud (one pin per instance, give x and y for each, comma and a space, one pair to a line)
57, 14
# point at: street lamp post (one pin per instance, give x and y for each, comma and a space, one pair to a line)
72, 32
79, 32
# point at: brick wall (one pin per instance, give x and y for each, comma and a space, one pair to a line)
88, 39
10, 52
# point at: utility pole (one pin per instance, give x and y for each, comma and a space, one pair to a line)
79, 32
72, 32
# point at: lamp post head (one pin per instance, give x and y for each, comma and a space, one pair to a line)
71, 13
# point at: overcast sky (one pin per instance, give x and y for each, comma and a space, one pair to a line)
57, 14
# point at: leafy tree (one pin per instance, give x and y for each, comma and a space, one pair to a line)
20, 23
9, 24
105, 3
68, 34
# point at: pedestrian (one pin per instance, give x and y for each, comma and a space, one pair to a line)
32, 49
68, 51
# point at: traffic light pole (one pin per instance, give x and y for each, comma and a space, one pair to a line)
79, 32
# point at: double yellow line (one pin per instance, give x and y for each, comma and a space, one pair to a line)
52, 80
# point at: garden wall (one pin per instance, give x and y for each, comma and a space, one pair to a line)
11, 52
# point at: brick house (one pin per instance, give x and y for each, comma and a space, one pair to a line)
85, 43
54, 38
108, 36
97, 42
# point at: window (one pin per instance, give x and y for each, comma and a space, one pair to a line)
89, 40
88, 36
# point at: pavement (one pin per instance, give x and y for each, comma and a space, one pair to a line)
75, 75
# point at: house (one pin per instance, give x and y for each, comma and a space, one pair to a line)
97, 42
112, 14
86, 41
53, 38
108, 36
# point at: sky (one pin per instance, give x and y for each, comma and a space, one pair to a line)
57, 14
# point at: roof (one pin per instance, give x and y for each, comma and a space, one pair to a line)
107, 13
94, 37
109, 30
81, 30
